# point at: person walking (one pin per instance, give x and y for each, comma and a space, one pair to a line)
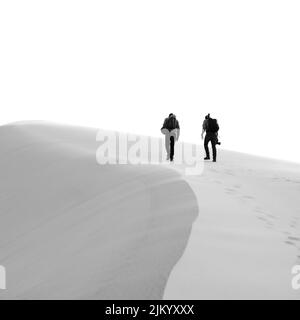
211, 127
171, 130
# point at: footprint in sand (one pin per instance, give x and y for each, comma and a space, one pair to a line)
269, 225
261, 211
295, 219
249, 200
283, 179
294, 238
271, 216
293, 241
248, 197
230, 191
293, 224
267, 218
290, 243
275, 179
286, 233
218, 181
262, 218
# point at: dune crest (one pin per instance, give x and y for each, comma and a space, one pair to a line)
73, 229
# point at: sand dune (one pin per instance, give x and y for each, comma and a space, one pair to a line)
246, 239
71, 228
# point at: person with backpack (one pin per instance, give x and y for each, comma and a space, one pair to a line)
171, 130
211, 127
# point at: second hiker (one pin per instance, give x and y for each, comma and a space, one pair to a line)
211, 127
171, 130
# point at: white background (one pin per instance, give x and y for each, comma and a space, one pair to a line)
126, 65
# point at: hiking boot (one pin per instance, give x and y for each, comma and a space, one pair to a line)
207, 158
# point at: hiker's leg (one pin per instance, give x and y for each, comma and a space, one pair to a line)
206, 141
214, 141
175, 133
217, 141
167, 143
172, 143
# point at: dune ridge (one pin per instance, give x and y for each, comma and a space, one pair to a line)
73, 229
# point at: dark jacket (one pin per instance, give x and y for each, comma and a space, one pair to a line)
171, 123
209, 127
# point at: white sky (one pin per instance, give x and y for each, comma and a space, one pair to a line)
126, 65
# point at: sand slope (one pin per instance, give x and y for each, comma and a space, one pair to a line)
70, 228
247, 236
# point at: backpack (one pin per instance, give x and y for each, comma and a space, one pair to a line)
212, 125
171, 123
